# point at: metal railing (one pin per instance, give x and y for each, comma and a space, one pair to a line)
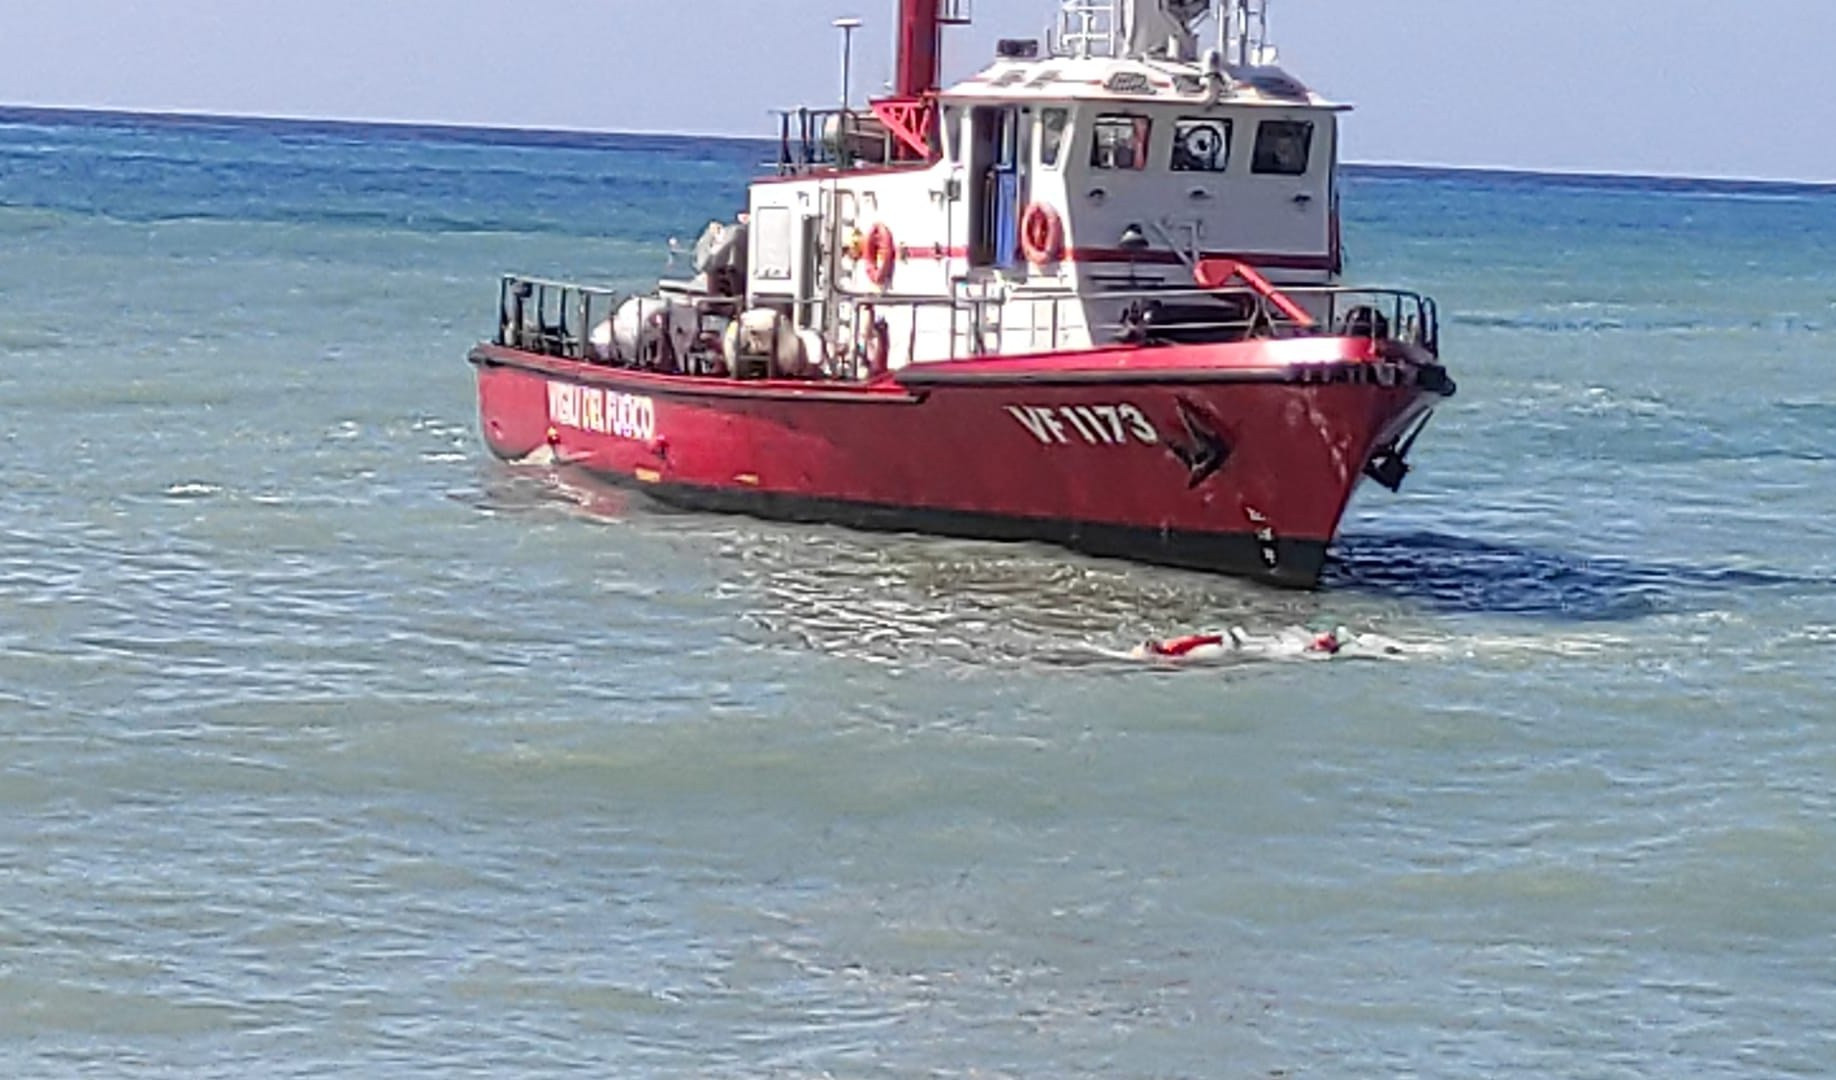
1087, 28
955, 12
991, 325
564, 319
1380, 314
840, 139
549, 318
1244, 33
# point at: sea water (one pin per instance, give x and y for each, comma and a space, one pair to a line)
334, 747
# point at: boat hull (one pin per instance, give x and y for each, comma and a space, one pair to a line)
1233, 458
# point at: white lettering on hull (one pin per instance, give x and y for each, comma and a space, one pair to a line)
602, 412
1092, 425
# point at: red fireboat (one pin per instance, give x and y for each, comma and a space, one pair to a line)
1090, 296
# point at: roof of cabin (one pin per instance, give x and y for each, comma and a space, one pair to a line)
1131, 79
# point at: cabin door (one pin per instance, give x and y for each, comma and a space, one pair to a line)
999, 150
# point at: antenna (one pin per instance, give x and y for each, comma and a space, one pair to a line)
847, 26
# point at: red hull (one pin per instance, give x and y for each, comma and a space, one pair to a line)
1238, 458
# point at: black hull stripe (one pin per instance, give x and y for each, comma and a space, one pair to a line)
1285, 562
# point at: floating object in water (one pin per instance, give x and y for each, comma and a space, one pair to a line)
1292, 643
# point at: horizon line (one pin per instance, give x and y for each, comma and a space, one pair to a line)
459, 127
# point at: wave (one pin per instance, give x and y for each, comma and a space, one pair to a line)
21, 339
1551, 324
1467, 575
368, 132
1601, 182
406, 220
357, 131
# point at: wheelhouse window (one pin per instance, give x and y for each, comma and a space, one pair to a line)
1283, 147
1120, 142
1201, 145
1052, 126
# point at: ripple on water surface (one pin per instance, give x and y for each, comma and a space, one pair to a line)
334, 748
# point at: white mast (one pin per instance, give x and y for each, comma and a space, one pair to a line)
1244, 33
1165, 29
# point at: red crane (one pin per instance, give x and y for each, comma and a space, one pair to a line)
911, 110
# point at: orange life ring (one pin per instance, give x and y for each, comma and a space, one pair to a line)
1042, 234
879, 255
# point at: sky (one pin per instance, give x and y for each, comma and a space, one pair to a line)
1718, 88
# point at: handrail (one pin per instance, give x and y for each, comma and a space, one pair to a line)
811, 140
526, 325
1216, 273
564, 319
1413, 316
1087, 28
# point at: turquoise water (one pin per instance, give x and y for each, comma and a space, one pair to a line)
336, 748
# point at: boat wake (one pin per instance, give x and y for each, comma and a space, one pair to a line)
1237, 646
1240, 648
908, 602
542, 457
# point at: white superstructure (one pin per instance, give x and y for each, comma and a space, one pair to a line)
1003, 214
